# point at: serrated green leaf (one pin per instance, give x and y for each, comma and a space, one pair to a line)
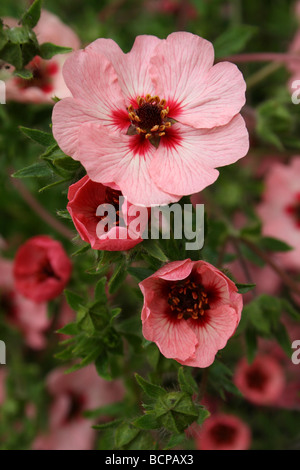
153, 391
32, 15
36, 170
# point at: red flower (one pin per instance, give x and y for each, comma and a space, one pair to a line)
190, 311
224, 432
261, 382
41, 268
84, 198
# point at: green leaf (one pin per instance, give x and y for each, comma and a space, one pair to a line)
74, 300
118, 276
233, 40
125, 433
282, 336
251, 344
273, 244
175, 441
153, 391
103, 366
153, 249
48, 50
43, 138
243, 288
100, 293
140, 273
32, 15
25, 74
70, 329
109, 424
146, 422
36, 170
12, 54
186, 381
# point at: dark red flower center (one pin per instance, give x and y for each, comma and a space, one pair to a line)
150, 117
77, 402
46, 271
42, 75
294, 210
187, 299
7, 303
256, 379
223, 433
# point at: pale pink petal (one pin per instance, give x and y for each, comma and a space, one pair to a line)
175, 339
132, 68
110, 156
198, 94
212, 335
188, 166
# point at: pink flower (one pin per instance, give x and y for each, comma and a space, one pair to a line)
261, 382
190, 311
280, 209
41, 268
84, 198
31, 318
156, 121
224, 432
72, 394
47, 80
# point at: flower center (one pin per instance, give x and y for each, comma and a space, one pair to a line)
294, 210
188, 300
223, 433
42, 73
256, 379
150, 118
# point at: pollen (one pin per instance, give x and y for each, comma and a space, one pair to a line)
151, 117
188, 299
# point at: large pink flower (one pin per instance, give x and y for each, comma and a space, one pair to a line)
280, 209
31, 318
156, 121
224, 432
41, 268
261, 382
47, 80
84, 198
72, 394
190, 311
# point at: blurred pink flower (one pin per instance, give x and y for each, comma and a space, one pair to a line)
47, 80
84, 198
261, 382
280, 209
224, 432
156, 121
41, 268
190, 311
31, 318
72, 394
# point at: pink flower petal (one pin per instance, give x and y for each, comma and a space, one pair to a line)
188, 167
109, 156
132, 68
198, 94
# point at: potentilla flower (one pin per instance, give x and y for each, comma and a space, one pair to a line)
280, 209
224, 432
261, 382
31, 318
72, 394
156, 121
47, 81
85, 197
41, 268
190, 311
